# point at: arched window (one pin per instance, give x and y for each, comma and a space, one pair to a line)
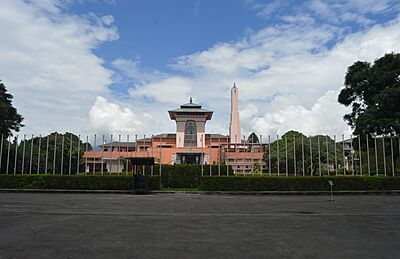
190, 134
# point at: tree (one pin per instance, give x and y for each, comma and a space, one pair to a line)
322, 150
373, 92
10, 120
253, 138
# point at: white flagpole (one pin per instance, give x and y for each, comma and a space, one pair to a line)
294, 155
38, 165
311, 162
1, 151
336, 167
210, 155
359, 152
327, 153
391, 148
79, 152
55, 153
102, 155
8, 154
219, 156
352, 155
277, 153
127, 154
376, 157
86, 151
152, 154
244, 154
47, 152
344, 156
367, 139
269, 156
94, 157
62, 154
31, 156
302, 154
16, 154
23, 155
384, 154
319, 156
70, 156
119, 153
286, 156
111, 154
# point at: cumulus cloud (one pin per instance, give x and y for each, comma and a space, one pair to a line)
107, 117
46, 61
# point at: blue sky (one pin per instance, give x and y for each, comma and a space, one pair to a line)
117, 66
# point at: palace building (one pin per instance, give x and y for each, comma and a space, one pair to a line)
190, 144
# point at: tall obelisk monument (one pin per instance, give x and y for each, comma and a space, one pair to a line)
234, 128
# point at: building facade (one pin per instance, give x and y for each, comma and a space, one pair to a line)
190, 144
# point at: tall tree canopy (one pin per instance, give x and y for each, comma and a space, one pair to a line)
10, 120
373, 92
253, 138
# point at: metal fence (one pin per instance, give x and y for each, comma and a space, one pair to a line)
287, 155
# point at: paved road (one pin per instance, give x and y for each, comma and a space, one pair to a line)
42, 225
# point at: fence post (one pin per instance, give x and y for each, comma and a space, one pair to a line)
352, 154
1, 152
368, 165
336, 167
38, 165
359, 152
55, 153
31, 156
47, 152
376, 157
78, 157
294, 155
70, 155
16, 154
327, 153
302, 155
311, 162
319, 156
23, 155
62, 154
391, 148
119, 153
269, 155
286, 157
277, 153
384, 154
127, 154
8, 154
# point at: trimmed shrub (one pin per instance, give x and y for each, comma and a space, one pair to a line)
76, 182
244, 183
185, 176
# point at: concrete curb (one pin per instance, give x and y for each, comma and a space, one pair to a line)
364, 192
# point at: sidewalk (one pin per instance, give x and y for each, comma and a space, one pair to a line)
363, 192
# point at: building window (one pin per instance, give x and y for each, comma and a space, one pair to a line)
190, 134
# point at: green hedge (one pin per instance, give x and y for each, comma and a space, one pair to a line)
185, 176
244, 183
76, 182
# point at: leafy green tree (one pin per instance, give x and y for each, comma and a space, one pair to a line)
373, 92
253, 138
296, 143
58, 155
10, 120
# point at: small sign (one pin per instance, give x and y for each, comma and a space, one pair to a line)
330, 183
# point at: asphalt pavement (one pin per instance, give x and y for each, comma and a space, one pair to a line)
72, 225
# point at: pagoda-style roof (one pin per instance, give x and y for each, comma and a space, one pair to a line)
190, 109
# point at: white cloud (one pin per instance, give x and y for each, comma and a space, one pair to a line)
107, 117
173, 90
46, 62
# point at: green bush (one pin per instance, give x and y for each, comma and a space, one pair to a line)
76, 182
244, 183
185, 176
